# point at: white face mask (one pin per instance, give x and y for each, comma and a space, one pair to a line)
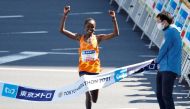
160, 26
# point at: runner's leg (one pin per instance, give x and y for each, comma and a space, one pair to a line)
88, 100
94, 94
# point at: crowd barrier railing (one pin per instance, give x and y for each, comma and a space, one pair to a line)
143, 14
186, 69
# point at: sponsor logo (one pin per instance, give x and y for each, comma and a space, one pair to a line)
120, 74
89, 55
88, 51
35, 94
10, 90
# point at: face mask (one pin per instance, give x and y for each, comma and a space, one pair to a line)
160, 26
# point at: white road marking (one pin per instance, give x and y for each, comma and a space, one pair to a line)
86, 13
110, 29
36, 69
20, 56
149, 73
33, 32
59, 49
11, 16
28, 54
147, 45
27, 32
62, 53
103, 29
4, 51
147, 56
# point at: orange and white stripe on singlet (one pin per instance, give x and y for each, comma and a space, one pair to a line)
88, 55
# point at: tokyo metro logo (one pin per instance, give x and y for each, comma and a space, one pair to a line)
10, 90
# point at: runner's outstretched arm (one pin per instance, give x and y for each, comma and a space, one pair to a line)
115, 31
62, 26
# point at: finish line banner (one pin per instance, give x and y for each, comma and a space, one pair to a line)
84, 84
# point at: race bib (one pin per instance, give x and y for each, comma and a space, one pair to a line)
88, 55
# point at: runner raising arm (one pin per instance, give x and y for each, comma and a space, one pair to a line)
89, 62
100, 37
69, 34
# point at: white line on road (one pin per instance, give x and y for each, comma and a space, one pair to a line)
62, 53
147, 56
59, 49
103, 29
11, 16
33, 32
4, 51
149, 73
20, 56
27, 32
86, 13
37, 69
28, 54
109, 29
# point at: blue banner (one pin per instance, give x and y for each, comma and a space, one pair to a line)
34, 94
160, 4
188, 33
171, 7
181, 17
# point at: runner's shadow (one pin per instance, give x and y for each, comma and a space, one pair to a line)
146, 84
143, 101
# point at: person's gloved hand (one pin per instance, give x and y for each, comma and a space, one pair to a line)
139, 71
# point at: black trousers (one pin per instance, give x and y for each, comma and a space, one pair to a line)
164, 89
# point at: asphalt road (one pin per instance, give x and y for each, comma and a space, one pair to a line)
34, 53
34, 26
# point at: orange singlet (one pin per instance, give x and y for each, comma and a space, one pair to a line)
88, 55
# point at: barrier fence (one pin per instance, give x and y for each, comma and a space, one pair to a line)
143, 13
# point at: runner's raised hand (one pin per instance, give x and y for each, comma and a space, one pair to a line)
112, 13
66, 10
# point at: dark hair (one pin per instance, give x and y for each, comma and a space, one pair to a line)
87, 20
165, 16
